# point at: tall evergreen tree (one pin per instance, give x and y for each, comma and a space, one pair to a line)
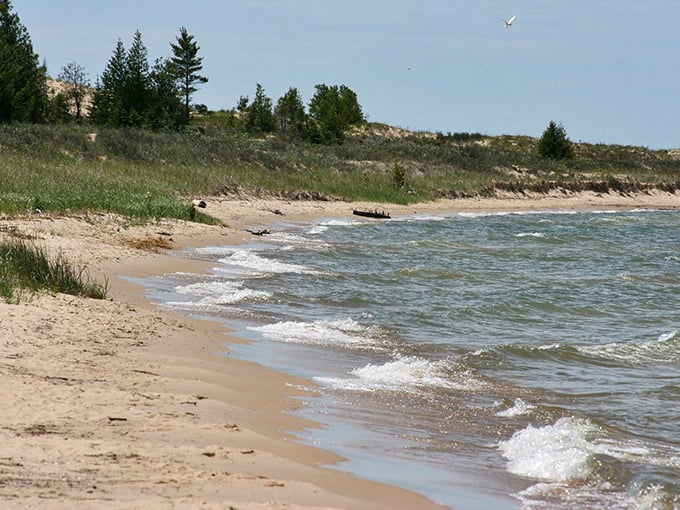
259, 117
131, 93
22, 80
166, 110
108, 104
138, 85
290, 114
554, 143
350, 109
187, 64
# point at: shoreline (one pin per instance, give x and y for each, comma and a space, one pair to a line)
117, 404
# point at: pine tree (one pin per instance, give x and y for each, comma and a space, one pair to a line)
166, 110
187, 64
554, 143
259, 115
290, 114
130, 93
137, 86
22, 80
108, 106
350, 109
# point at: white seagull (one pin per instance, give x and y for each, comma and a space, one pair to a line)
508, 23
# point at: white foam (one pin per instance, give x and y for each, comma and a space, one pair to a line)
317, 229
215, 251
250, 260
561, 454
339, 222
667, 336
289, 241
554, 453
345, 332
219, 293
519, 408
406, 373
531, 234
665, 349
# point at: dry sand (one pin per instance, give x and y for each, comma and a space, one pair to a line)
116, 404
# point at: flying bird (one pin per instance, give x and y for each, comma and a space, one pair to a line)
508, 23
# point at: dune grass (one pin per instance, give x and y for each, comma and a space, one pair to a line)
26, 267
148, 175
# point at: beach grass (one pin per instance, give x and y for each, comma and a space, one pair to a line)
26, 267
149, 175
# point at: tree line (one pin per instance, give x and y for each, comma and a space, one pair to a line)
133, 93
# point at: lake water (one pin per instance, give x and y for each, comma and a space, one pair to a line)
506, 360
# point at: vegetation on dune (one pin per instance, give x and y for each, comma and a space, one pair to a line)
24, 266
554, 143
147, 174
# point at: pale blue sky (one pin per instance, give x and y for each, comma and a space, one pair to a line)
608, 70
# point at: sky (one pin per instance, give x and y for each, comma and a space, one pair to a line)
607, 70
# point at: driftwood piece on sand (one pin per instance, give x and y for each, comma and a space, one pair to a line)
262, 232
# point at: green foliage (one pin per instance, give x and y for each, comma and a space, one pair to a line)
155, 174
333, 110
554, 143
164, 110
258, 115
23, 96
399, 176
76, 86
186, 64
24, 266
131, 94
290, 114
59, 110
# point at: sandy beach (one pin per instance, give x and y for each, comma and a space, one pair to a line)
117, 404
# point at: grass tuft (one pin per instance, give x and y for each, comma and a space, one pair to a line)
26, 267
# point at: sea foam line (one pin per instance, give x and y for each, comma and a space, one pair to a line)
214, 295
343, 333
406, 374
248, 259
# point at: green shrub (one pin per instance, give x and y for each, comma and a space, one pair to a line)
399, 176
554, 143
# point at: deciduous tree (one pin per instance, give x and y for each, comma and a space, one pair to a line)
333, 110
76, 86
165, 110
